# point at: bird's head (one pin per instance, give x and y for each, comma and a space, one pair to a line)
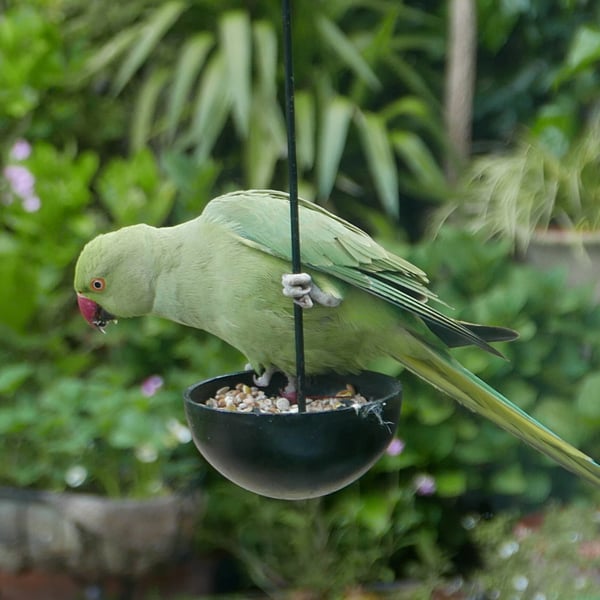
114, 276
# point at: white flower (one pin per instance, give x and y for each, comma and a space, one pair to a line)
179, 431
76, 475
508, 549
146, 453
520, 583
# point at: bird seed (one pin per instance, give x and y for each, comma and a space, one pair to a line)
245, 398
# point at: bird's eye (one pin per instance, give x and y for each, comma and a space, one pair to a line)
97, 284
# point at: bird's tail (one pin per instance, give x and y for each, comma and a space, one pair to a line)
449, 376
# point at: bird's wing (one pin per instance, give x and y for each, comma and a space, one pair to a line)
331, 245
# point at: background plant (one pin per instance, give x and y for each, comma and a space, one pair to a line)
532, 187
353, 539
549, 554
535, 68
106, 97
408, 512
550, 371
64, 403
199, 83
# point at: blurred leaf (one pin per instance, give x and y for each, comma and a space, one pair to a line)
419, 160
187, 70
149, 34
560, 418
133, 191
266, 140
31, 59
410, 106
509, 481
587, 400
413, 80
106, 54
584, 51
450, 484
539, 486
266, 57
380, 159
237, 51
211, 108
433, 411
13, 376
332, 138
305, 129
375, 512
18, 301
266, 143
130, 431
145, 110
346, 51
521, 392
194, 180
428, 442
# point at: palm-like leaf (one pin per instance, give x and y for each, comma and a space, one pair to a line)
230, 76
189, 64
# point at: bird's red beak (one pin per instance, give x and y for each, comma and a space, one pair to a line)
93, 313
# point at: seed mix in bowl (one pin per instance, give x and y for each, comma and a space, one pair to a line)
244, 398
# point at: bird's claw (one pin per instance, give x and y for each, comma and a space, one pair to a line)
298, 286
301, 288
264, 379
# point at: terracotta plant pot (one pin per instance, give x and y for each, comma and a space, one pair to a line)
578, 253
93, 536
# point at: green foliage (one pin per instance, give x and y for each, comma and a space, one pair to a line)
323, 546
384, 521
552, 372
549, 175
531, 188
537, 66
69, 399
138, 179
225, 82
38, 246
31, 60
91, 433
547, 555
141, 111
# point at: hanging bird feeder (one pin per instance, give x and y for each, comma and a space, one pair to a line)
298, 455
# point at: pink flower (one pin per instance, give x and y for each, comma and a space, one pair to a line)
21, 180
424, 484
151, 385
21, 150
31, 204
396, 447
22, 183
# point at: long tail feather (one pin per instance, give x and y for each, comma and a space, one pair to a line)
446, 374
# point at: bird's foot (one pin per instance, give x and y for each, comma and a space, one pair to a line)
301, 288
264, 379
290, 391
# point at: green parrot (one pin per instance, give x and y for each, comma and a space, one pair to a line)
223, 272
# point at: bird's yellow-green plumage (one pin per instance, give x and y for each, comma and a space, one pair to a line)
221, 272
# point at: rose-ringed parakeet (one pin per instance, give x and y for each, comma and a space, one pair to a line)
222, 272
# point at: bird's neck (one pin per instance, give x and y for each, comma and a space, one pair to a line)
182, 256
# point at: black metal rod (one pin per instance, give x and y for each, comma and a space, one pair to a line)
293, 185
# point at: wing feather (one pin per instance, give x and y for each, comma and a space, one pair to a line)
331, 245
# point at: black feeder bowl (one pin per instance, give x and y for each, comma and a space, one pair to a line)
295, 456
